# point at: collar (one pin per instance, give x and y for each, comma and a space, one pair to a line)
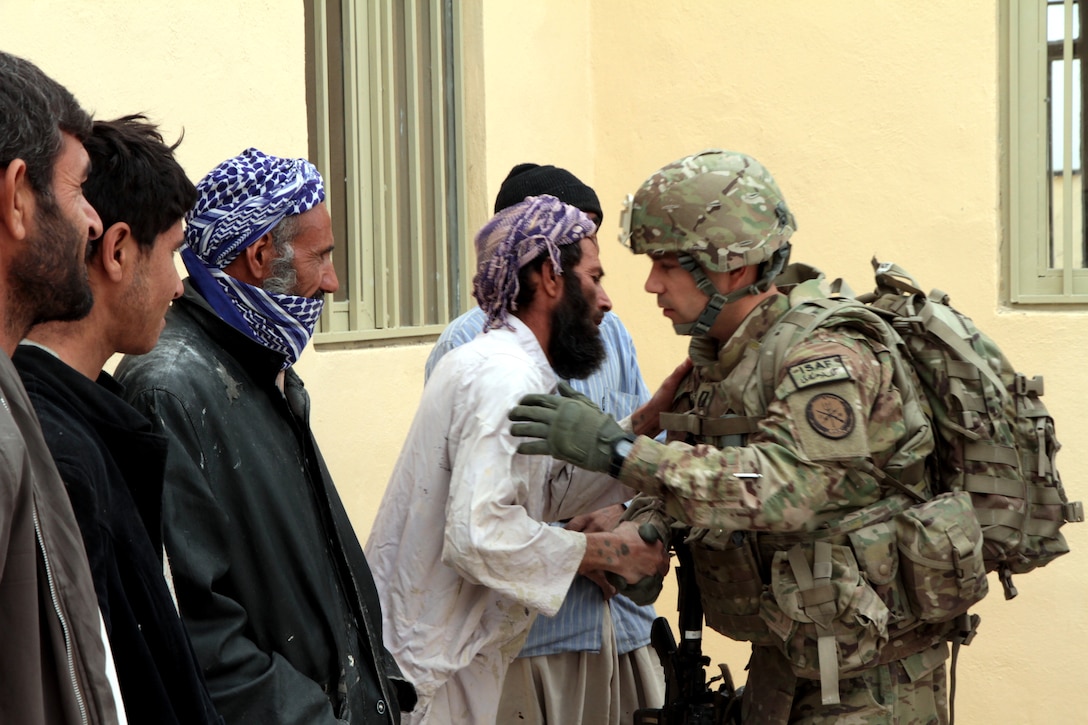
527, 341
101, 399
259, 361
706, 351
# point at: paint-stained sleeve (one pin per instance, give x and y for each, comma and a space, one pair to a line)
834, 407
240, 675
498, 499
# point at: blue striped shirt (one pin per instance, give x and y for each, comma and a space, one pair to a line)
617, 387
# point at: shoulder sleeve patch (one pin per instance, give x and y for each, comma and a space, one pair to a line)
828, 422
822, 370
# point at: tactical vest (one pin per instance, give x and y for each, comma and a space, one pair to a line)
832, 600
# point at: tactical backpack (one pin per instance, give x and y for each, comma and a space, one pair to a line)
994, 437
905, 569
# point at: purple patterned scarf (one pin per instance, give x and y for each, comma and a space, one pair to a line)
514, 237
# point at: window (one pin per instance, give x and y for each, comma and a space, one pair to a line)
383, 103
1044, 127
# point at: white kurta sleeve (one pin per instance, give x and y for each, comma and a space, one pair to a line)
494, 535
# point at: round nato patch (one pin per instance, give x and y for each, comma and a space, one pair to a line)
830, 416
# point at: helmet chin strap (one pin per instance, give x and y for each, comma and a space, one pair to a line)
713, 308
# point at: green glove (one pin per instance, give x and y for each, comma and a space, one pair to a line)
568, 392
570, 428
647, 588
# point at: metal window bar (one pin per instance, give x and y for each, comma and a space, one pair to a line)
1065, 225
384, 102
358, 154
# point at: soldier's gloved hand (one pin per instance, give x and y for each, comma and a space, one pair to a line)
569, 427
647, 589
568, 392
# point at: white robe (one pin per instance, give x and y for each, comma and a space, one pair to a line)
459, 552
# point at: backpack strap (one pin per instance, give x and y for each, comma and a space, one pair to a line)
818, 603
798, 323
932, 322
890, 275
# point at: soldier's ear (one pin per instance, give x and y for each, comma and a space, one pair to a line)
741, 277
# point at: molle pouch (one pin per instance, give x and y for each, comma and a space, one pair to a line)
941, 562
827, 617
878, 558
729, 584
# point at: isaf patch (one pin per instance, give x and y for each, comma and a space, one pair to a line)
830, 416
823, 370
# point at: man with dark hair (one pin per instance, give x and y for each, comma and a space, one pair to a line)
463, 561
110, 460
55, 663
592, 661
270, 577
793, 443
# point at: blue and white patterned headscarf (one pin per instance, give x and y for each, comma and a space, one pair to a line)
239, 201
514, 237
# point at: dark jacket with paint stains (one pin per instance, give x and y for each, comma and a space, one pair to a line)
112, 465
272, 583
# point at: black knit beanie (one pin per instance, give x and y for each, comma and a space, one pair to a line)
533, 180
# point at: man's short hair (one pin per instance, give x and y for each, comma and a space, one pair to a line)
135, 179
34, 110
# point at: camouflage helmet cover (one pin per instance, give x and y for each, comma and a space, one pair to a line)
722, 208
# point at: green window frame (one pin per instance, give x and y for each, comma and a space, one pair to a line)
1044, 194
385, 109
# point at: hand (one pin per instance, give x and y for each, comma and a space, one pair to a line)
625, 554
569, 428
646, 420
646, 589
603, 519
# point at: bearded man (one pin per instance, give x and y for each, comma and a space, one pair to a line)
592, 661
462, 558
55, 665
270, 577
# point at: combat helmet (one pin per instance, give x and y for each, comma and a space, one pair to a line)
718, 211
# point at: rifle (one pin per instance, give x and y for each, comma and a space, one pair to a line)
689, 700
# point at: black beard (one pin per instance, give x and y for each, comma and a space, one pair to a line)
575, 348
49, 281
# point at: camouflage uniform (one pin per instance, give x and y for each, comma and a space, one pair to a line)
763, 462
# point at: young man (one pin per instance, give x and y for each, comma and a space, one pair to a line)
55, 664
110, 460
463, 561
592, 661
271, 580
781, 469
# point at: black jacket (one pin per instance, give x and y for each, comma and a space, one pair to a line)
112, 465
271, 580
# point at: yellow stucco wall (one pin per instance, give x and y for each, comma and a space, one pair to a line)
879, 120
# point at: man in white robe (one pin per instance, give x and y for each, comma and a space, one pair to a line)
461, 557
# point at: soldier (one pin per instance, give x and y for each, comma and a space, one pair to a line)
789, 452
